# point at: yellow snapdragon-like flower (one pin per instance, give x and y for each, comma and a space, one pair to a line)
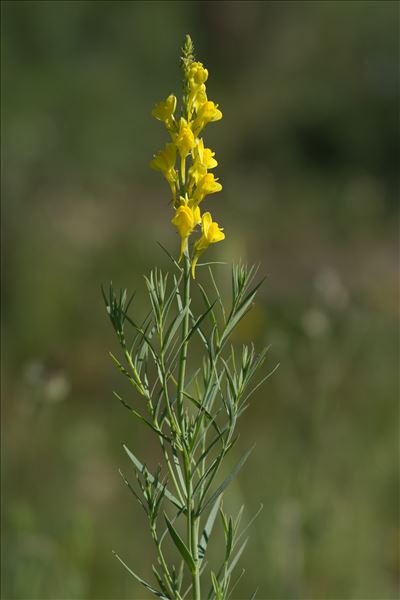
207, 185
199, 97
185, 220
204, 155
164, 111
185, 140
203, 159
207, 113
164, 161
196, 74
211, 233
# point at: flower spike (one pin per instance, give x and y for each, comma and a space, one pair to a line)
190, 180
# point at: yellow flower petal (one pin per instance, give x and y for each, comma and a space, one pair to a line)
211, 234
207, 185
185, 220
185, 140
207, 113
164, 111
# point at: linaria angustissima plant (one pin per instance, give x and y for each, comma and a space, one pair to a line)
190, 405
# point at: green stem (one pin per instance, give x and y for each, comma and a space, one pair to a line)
191, 520
167, 578
192, 523
185, 330
195, 554
171, 471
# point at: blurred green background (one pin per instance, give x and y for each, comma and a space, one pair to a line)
308, 151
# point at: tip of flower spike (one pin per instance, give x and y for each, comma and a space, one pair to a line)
188, 47
187, 52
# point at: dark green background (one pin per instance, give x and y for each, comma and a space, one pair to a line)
308, 153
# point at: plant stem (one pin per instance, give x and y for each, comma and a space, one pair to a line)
185, 329
195, 553
162, 562
192, 521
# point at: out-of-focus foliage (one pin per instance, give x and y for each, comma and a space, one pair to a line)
308, 149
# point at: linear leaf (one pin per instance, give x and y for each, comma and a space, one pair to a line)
203, 410
253, 518
235, 560
259, 384
229, 539
218, 293
227, 481
236, 582
141, 418
170, 256
208, 303
172, 329
159, 580
140, 467
196, 324
171, 297
132, 490
208, 528
122, 369
238, 313
142, 581
181, 546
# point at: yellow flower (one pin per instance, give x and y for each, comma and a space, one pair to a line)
185, 140
190, 179
164, 161
199, 97
164, 111
196, 74
207, 185
203, 159
207, 112
211, 233
185, 220
205, 155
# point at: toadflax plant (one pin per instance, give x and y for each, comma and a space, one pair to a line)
190, 405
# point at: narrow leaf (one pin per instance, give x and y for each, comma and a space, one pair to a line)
235, 560
229, 539
159, 580
263, 380
142, 581
196, 325
181, 546
227, 481
141, 418
236, 582
132, 490
170, 256
140, 468
172, 329
254, 517
208, 528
